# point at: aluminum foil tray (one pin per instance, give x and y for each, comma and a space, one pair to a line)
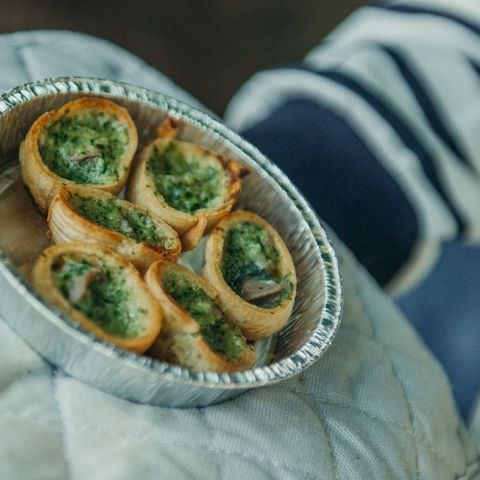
266, 191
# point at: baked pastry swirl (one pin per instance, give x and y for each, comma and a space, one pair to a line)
251, 268
93, 216
88, 142
187, 185
101, 291
196, 334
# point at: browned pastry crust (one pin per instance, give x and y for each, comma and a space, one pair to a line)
68, 225
42, 182
255, 322
142, 188
181, 341
43, 282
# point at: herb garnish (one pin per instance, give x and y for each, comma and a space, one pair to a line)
249, 253
185, 183
106, 299
222, 337
85, 148
112, 213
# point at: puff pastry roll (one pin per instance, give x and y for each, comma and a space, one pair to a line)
101, 291
93, 216
187, 185
196, 334
249, 265
89, 141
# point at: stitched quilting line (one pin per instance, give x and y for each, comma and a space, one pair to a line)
470, 470
423, 442
212, 435
415, 436
23, 63
328, 435
352, 328
50, 424
218, 450
405, 429
60, 414
55, 426
364, 303
389, 345
122, 435
353, 408
394, 372
361, 295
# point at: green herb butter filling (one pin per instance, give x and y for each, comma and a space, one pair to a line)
250, 264
112, 213
221, 337
101, 294
85, 148
185, 183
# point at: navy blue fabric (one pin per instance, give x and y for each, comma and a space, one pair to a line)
420, 10
420, 91
401, 127
403, 130
475, 66
344, 182
445, 309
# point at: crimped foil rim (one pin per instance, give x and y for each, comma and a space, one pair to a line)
321, 337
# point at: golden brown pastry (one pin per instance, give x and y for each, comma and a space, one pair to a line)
187, 185
89, 142
101, 291
93, 216
195, 333
251, 268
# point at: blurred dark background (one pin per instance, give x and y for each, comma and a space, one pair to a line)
208, 47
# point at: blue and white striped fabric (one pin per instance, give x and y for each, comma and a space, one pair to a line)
379, 127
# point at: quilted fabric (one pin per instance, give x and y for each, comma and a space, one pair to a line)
377, 405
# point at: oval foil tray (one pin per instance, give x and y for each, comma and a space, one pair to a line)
266, 191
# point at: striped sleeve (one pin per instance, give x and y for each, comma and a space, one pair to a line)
379, 128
